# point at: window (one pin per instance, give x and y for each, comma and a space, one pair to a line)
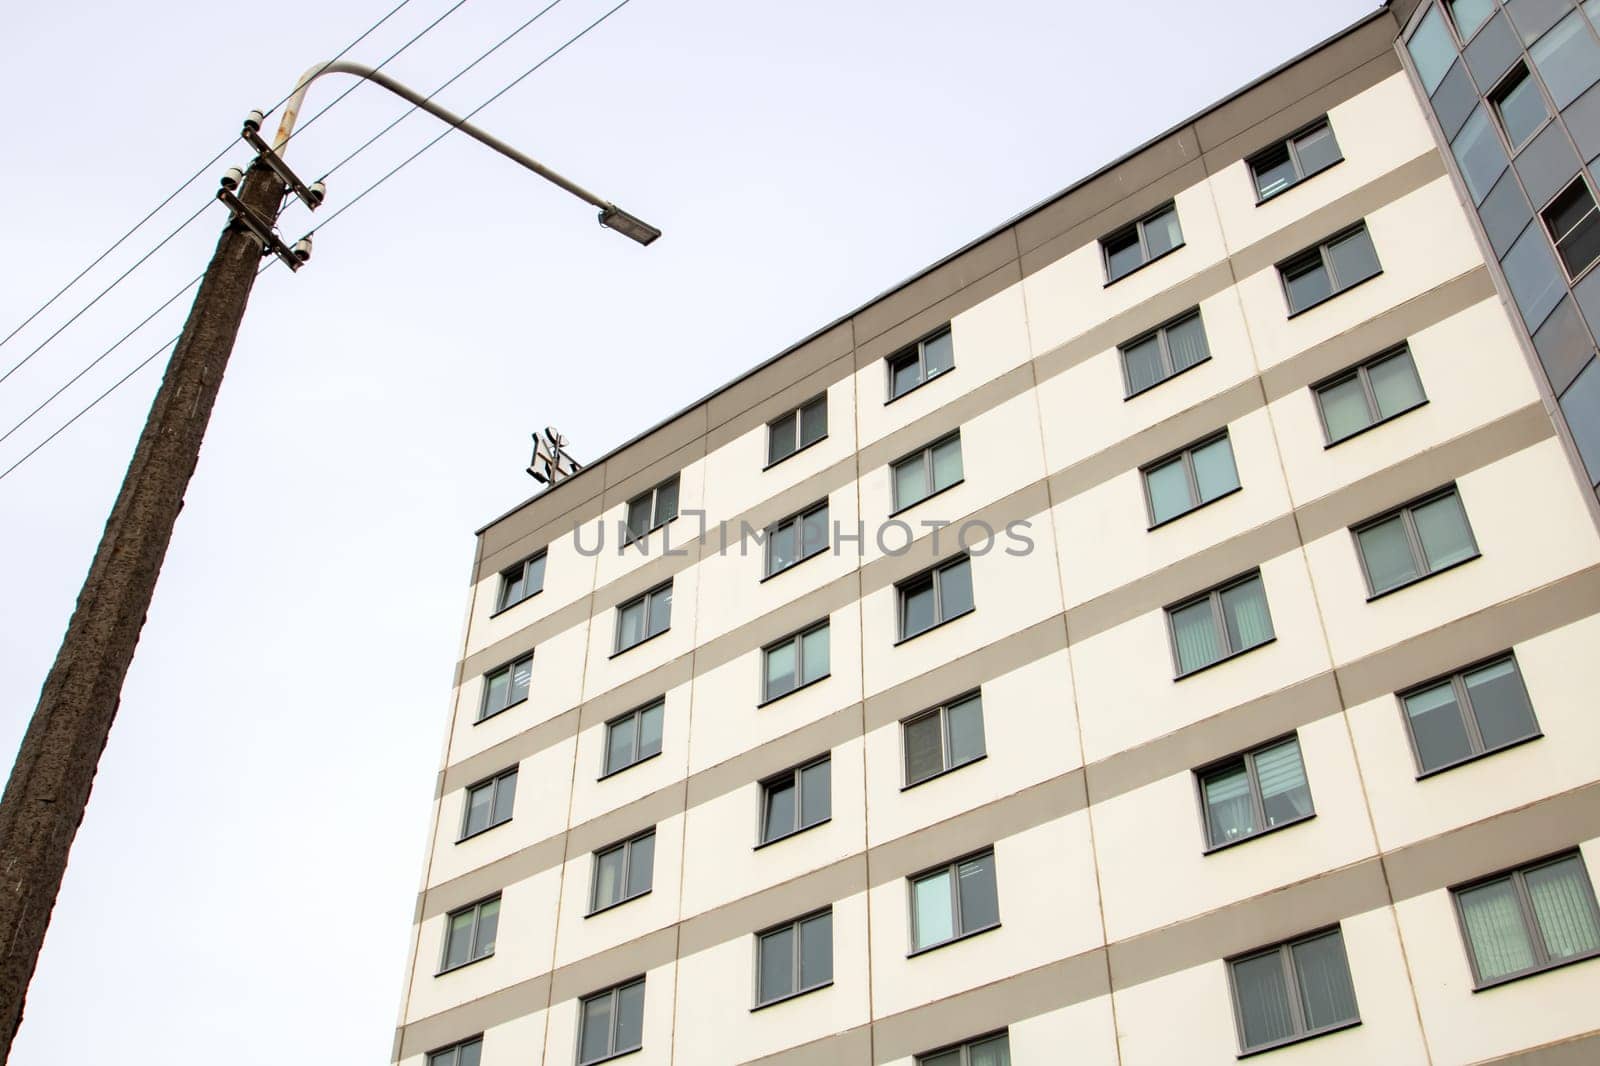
521, 581
489, 803
469, 933
798, 429
1469, 15
623, 871
921, 362
1581, 405
944, 738
1568, 58
652, 510
935, 596
1143, 241
795, 957
1192, 478
1225, 621
1379, 389
1520, 107
1415, 541
1574, 226
644, 617
987, 1051
1175, 347
1254, 792
794, 662
1529, 919
611, 1022
956, 900
1479, 154
926, 471
633, 737
506, 686
1291, 161
466, 1053
797, 538
797, 799
1431, 50
1470, 713
1292, 991
1328, 269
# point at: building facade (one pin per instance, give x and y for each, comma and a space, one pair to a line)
1160, 632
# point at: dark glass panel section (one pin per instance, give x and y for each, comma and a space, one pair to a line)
1491, 53
1563, 345
1581, 405
1535, 280
1547, 164
1505, 213
1454, 101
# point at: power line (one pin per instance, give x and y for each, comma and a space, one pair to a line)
359, 196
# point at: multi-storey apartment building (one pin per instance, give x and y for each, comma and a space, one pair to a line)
1247, 701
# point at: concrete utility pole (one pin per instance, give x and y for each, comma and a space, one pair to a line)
49, 787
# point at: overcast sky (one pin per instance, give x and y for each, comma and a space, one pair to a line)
241, 890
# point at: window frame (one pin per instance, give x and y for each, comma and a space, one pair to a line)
1246, 757
793, 776
646, 598
626, 845
1214, 596
1165, 347
797, 414
653, 494
493, 782
476, 908
1139, 228
1496, 95
924, 455
964, 1047
1325, 260
614, 993
1287, 143
953, 869
797, 638
1285, 952
454, 1050
521, 569
1185, 456
1555, 242
935, 574
1408, 522
1469, 716
798, 520
1530, 921
943, 712
916, 351
637, 714
793, 925
1362, 371
510, 670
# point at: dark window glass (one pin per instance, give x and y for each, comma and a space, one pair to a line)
1318, 273
954, 900
1431, 49
466, 1053
1574, 225
1372, 392
1492, 51
943, 738
797, 538
470, 933
1291, 161
1469, 713
796, 660
1454, 100
1581, 405
1470, 14
1225, 621
1547, 164
1194, 477
1133, 246
506, 687
1418, 539
1533, 17
938, 595
489, 803
644, 617
1534, 278
987, 1051
1260, 789
1175, 347
921, 362
634, 737
521, 581
794, 958
803, 426
623, 871
1568, 59
1294, 990
927, 471
611, 1022
652, 510
796, 799
1530, 919
1505, 213
1479, 154
1520, 106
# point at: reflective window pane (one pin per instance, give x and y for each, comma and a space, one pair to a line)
946, 463
1562, 906
639, 516
1431, 49
1263, 999
966, 730
910, 481
1395, 384
1214, 470
814, 532
1122, 255
1495, 930
505, 797
660, 611
488, 925
781, 669
780, 812
955, 589
1143, 363
814, 422
1344, 407
905, 375
1161, 233
608, 877
814, 655
816, 950
470, 1054
1317, 149
1534, 278
497, 686
924, 748
1568, 59
1386, 551
479, 803
630, 624
667, 502
1354, 258
630, 1016
641, 864
1326, 995
980, 902
1307, 282
1274, 171
996, 1051
916, 608
938, 354
934, 908
619, 744
1436, 726
521, 675
777, 965
1574, 224
1499, 704
781, 439
1186, 341
1581, 404
1168, 485
1479, 154
1194, 632
1442, 528
650, 730
1521, 108
816, 793
458, 940
781, 550
1285, 796
1470, 14
1244, 613
1230, 814
594, 1041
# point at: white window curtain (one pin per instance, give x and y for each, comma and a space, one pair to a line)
1495, 928
1244, 609
1560, 896
1282, 777
1186, 341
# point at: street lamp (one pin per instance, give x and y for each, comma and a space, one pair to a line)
49, 786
